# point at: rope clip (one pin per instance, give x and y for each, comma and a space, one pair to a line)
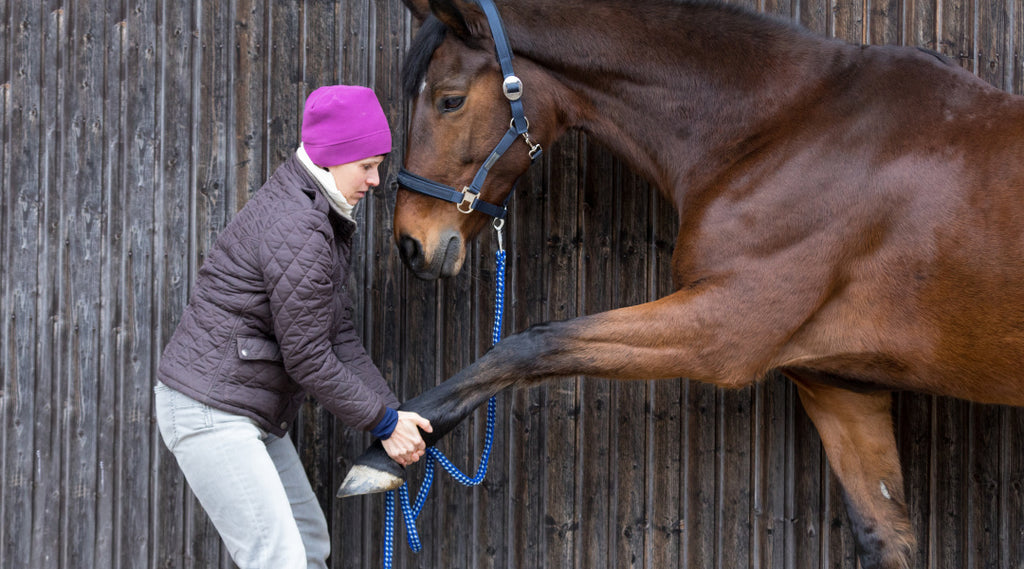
499, 224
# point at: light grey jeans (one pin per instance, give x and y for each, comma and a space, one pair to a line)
251, 484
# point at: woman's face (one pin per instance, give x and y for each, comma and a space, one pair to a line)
356, 178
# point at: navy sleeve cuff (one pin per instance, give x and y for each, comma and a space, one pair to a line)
386, 426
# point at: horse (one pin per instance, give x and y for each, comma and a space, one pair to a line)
850, 216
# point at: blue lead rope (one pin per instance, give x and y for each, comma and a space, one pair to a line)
412, 511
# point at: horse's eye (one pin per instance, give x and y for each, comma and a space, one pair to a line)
452, 104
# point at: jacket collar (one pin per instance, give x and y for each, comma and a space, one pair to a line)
326, 181
295, 177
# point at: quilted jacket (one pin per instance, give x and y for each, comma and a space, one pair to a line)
270, 317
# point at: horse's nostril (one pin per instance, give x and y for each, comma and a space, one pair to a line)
409, 248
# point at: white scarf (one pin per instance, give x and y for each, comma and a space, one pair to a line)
326, 181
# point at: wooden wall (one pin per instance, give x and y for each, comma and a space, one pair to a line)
133, 130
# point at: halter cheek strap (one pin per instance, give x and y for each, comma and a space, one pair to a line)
468, 200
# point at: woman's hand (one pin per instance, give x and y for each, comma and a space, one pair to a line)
405, 445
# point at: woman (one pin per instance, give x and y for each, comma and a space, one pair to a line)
270, 320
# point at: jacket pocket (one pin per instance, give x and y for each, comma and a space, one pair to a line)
258, 348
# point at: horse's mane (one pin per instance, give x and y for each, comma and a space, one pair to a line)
432, 33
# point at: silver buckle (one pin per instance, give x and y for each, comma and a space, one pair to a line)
468, 199
512, 86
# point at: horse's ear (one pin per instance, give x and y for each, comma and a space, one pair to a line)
420, 9
464, 19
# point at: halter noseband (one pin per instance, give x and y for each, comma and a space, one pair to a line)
468, 200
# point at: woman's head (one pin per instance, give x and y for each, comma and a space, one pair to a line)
344, 130
343, 124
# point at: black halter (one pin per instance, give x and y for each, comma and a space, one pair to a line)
468, 199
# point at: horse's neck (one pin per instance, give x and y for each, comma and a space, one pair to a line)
674, 89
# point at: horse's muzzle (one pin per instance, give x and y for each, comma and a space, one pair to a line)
445, 262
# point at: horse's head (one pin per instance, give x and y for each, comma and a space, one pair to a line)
460, 113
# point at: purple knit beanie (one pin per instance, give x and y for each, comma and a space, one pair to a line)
342, 124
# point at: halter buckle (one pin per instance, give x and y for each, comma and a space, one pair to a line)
468, 199
512, 86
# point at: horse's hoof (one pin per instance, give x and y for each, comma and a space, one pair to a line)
366, 480
373, 472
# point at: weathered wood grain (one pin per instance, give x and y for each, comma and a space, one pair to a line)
133, 131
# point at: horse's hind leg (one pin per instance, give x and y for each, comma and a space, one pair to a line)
857, 432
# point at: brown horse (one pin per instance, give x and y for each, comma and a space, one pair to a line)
850, 216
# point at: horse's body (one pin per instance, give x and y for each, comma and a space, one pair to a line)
850, 216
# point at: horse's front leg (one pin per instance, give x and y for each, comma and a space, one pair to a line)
445, 406
857, 433
680, 335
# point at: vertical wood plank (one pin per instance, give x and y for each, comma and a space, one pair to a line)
109, 364
982, 513
7, 314
816, 15
773, 406
136, 351
733, 498
807, 494
1012, 489
51, 298
85, 218
921, 23
835, 522
949, 475
700, 484
913, 420
781, 8
285, 87
456, 331
957, 31
249, 94
884, 26
848, 20
23, 202
992, 42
